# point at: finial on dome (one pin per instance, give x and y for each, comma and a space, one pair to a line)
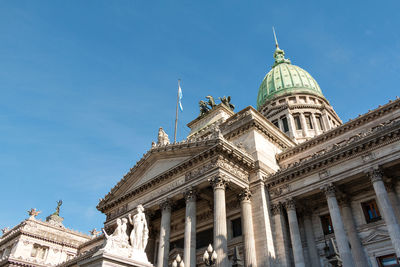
279, 54
276, 40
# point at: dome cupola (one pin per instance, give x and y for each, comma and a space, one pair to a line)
285, 79
293, 101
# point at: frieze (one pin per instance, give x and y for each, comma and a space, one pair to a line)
368, 157
362, 119
278, 191
219, 162
384, 134
323, 174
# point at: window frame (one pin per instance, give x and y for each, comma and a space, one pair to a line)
380, 258
297, 122
326, 218
368, 204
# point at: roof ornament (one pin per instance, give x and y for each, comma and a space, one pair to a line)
57, 212
279, 54
33, 213
162, 137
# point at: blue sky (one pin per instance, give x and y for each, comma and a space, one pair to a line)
85, 85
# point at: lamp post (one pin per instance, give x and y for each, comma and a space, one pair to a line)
210, 256
178, 262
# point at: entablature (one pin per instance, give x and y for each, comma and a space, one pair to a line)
353, 158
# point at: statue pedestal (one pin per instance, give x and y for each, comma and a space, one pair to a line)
104, 259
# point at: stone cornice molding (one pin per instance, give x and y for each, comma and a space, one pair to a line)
355, 146
190, 194
222, 148
252, 119
244, 195
219, 182
352, 124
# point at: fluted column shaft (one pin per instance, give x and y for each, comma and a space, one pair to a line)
220, 230
386, 209
311, 245
189, 252
165, 229
281, 235
295, 234
359, 257
247, 226
338, 227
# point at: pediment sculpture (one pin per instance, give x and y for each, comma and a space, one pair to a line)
134, 245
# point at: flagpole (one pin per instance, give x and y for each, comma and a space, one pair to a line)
176, 116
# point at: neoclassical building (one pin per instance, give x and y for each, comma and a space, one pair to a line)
286, 184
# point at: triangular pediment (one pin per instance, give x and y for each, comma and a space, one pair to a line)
154, 163
375, 236
157, 167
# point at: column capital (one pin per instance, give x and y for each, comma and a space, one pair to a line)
329, 190
276, 209
166, 205
390, 183
244, 196
218, 182
290, 204
190, 194
375, 175
344, 201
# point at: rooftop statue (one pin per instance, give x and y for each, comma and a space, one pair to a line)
57, 212
33, 213
211, 101
203, 107
227, 102
162, 137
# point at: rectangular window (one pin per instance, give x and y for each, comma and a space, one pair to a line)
236, 227
327, 226
309, 122
297, 122
275, 122
371, 211
319, 122
388, 260
285, 125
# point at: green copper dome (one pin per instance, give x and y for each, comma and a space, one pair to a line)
285, 78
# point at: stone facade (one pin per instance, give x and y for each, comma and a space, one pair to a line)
326, 195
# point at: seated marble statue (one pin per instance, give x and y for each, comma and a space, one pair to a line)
140, 232
118, 239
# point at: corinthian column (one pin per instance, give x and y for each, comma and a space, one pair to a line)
247, 225
386, 208
338, 227
311, 245
281, 235
165, 228
189, 252
295, 233
220, 231
356, 247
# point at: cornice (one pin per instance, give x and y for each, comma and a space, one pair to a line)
361, 120
221, 147
255, 120
354, 146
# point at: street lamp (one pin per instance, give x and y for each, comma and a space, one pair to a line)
177, 261
210, 256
